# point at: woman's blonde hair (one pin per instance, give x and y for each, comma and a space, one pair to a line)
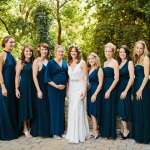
112, 46
97, 60
136, 59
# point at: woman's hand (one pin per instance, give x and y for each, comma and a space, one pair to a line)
139, 95
123, 95
4, 92
60, 87
93, 98
107, 95
67, 95
83, 94
40, 94
18, 93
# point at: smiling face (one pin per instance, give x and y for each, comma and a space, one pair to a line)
43, 51
73, 53
10, 44
91, 60
28, 53
139, 49
122, 53
60, 52
108, 52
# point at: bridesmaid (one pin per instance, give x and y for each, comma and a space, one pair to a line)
94, 93
111, 78
8, 103
126, 78
26, 90
40, 124
141, 89
56, 76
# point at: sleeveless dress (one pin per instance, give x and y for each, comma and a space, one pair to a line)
141, 109
8, 105
78, 128
27, 92
108, 117
41, 122
94, 109
124, 105
56, 97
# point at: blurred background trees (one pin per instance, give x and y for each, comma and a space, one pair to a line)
89, 24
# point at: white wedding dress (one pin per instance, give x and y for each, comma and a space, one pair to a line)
78, 128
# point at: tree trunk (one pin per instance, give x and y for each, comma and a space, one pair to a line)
59, 24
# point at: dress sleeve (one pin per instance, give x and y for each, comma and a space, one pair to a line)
47, 76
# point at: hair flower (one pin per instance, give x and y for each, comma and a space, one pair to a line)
117, 50
38, 49
22, 48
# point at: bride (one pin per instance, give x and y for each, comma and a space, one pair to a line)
78, 128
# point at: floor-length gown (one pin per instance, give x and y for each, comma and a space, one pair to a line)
94, 109
140, 130
124, 105
27, 92
57, 74
108, 117
41, 122
8, 105
78, 128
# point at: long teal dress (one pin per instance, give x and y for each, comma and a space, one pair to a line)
27, 92
56, 97
94, 108
124, 105
8, 105
141, 109
41, 122
108, 117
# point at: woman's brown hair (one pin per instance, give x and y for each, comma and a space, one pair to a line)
6, 39
44, 45
22, 58
79, 56
127, 51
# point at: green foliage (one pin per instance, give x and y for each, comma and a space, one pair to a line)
42, 21
122, 23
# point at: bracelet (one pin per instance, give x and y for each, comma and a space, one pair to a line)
2, 82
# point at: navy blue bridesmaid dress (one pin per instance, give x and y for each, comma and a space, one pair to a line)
8, 105
56, 97
94, 108
141, 109
41, 122
124, 105
108, 117
27, 92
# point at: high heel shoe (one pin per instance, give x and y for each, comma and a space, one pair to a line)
97, 135
124, 137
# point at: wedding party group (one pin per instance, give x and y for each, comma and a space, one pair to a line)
33, 93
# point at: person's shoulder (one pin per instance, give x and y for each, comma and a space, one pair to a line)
115, 62
19, 62
2, 54
83, 62
64, 61
130, 62
146, 58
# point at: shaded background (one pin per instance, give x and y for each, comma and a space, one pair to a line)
89, 24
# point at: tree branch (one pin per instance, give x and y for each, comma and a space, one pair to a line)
66, 1
5, 25
27, 13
